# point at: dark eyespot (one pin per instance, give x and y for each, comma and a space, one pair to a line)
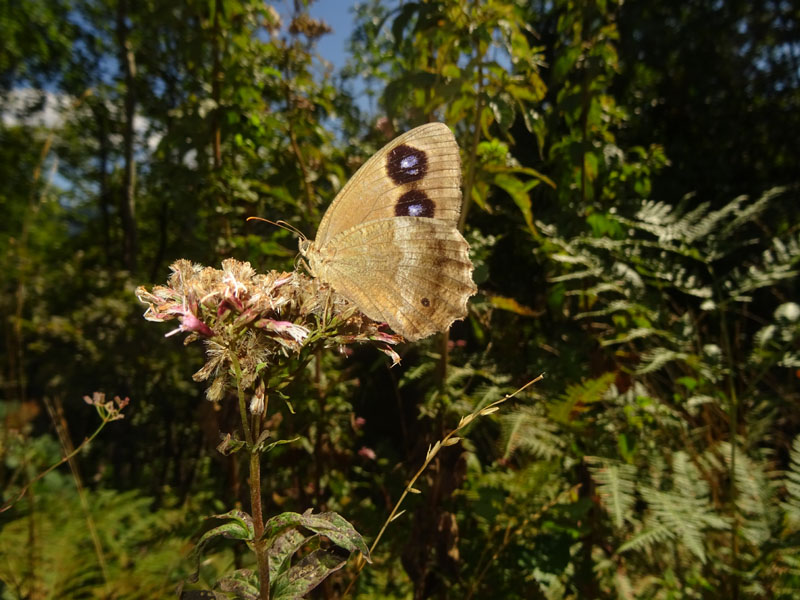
414, 203
425, 302
405, 164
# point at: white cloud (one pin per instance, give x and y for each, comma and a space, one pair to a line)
18, 105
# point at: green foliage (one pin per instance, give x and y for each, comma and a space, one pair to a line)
792, 483
283, 539
142, 551
472, 64
630, 174
688, 375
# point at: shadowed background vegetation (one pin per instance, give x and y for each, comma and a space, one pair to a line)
630, 180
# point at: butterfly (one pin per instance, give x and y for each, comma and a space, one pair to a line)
389, 241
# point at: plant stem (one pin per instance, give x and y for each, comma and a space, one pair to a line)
510, 533
448, 440
733, 419
262, 556
56, 413
66, 458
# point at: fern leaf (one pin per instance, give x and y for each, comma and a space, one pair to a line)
655, 359
791, 482
526, 430
577, 396
647, 539
615, 486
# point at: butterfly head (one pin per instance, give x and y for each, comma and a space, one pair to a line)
309, 255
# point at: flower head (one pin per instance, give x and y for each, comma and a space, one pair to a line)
251, 322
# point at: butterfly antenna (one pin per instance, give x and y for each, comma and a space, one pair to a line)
282, 225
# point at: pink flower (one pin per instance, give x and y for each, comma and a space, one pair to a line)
294, 331
368, 453
190, 323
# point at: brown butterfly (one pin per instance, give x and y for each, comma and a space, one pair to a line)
389, 241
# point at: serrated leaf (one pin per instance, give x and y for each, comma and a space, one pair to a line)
308, 573
240, 527
282, 550
511, 305
330, 524
518, 190
242, 582
270, 446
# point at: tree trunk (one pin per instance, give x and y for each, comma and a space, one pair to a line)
128, 205
104, 205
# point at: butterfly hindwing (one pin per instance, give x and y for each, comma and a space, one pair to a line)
412, 273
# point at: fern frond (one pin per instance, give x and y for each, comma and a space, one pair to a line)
647, 539
131, 533
577, 396
686, 510
676, 513
776, 341
634, 334
526, 430
755, 490
778, 263
791, 482
711, 224
656, 213
615, 486
751, 210
655, 359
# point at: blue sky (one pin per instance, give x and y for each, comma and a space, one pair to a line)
336, 13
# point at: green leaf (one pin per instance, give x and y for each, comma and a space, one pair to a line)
284, 539
504, 109
535, 124
308, 573
283, 549
230, 445
330, 524
402, 20
243, 583
518, 190
615, 486
270, 446
240, 527
451, 71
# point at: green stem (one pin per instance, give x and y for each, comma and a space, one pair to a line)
733, 418
56, 413
262, 555
85, 443
448, 440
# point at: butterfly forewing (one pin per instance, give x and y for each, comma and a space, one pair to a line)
416, 174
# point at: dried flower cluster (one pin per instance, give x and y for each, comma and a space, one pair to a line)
256, 322
110, 410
